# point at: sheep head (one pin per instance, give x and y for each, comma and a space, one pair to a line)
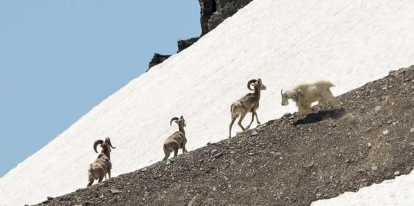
108, 141
285, 98
180, 121
290, 95
256, 83
106, 145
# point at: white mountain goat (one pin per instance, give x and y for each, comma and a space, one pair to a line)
305, 94
177, 140
248, 103
102, 165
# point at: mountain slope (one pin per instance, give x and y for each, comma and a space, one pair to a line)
284, 42
289, 161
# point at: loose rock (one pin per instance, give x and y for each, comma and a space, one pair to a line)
254, 133
114, 191
218, 155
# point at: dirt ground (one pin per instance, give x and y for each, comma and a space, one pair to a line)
291, 161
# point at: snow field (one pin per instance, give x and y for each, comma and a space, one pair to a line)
284, 42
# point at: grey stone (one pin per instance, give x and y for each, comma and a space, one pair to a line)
254, 133
114, 191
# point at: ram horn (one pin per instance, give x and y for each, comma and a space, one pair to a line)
251, 82
175, 118
96, 144
108, 141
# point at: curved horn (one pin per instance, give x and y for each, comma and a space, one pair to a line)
108, 141
251, 82
174, 118
96, 144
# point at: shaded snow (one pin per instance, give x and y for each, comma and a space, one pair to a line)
396, 192
282, 41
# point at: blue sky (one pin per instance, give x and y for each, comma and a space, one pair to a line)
59, 58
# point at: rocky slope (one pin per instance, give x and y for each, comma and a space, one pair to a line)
294, 160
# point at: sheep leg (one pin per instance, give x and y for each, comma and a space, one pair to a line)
90, 183
257, 118
323, 103
308, 108
166, 157
301, 108
240, 121
184, 149
100, 179
167, 154
91, 179
231, 125
248, 126
109, 170
175, 152
331, 99
336, 101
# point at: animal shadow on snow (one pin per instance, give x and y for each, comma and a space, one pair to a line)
320, 116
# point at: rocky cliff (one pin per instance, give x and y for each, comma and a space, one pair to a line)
212, 13
222, 10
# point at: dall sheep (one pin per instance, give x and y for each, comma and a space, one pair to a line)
102, 165
177, 140
305, 94
248, 103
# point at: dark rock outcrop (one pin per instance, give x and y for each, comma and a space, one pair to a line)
157, 59
184, 44
224, 10
212, 13
207, 9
